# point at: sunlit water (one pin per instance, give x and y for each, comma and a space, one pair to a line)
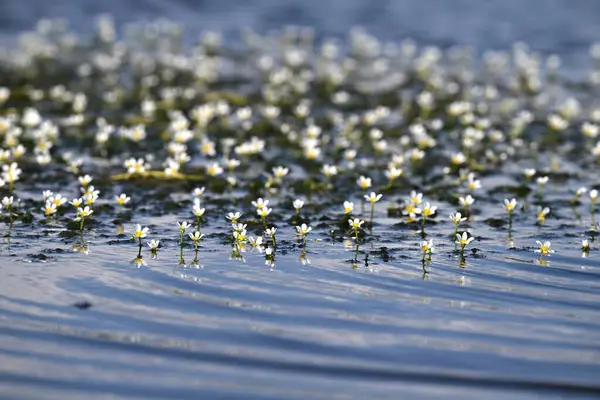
79, 318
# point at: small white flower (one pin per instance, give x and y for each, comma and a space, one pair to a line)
364, 182
139, 232
260, 203
280, 172
348, 207
510, 205
457, 218
234, 217
49, 208
463, 239
183, 226
153, 244
466, 201
85, 180
298, 204
355, 223
544, 248
122, 199
373, 197
542, 180
263, 212
303, 229
428, 210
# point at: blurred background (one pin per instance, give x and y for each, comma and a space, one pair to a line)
565, 27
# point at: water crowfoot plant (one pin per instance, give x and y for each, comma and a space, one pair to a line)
372, 198
196, 237
355, 224
541, 214
263, 213
298, 205
198, 212
139, 233
427, 247
509, 206
457, 218
427, 211
271, 233
153, 245
303, 230
182, 227
463, 240
364, 183
121, 200
585, 248
82, 214
544, 248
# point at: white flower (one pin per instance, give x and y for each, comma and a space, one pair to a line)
510, 205
355, 223
329, 170
542, 212
196, 236
260, 203
373, 197
280, 172
153, 244
458, 159
427, 246
85, 212
47, 194
415, 198
234, 217
8, 201
263, 212
457, 218
303, 229
593, 195
122, 199
49, 208
585, 245
197, 210
542, 180
85, 180
255, 241
348, 207
139, 232
57, 199
544, 248
466, 201
428, 210
183, 226
364, 182
529, 172
463, 239
214, 169
393, 173
270, 232
298, 204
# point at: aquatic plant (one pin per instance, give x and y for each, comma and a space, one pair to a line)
544, 248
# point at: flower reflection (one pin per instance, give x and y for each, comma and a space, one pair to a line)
81, 248
139, 262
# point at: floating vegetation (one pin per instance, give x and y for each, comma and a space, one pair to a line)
300, 126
